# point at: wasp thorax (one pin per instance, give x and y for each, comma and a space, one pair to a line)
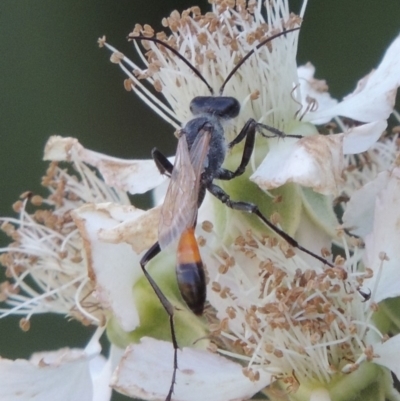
225, 107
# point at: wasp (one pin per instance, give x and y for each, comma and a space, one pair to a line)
200, 154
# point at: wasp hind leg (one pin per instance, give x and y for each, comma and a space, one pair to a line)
147, 257
248, 207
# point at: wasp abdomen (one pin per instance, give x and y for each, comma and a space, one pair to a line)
190, 272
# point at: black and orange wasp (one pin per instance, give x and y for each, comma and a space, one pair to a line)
199, 158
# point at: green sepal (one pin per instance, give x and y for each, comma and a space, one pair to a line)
387, 317
319, 209
370, 382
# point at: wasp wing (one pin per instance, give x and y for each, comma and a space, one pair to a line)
179, 210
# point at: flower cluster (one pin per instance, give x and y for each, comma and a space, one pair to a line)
277, 319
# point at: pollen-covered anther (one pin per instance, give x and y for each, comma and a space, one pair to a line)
240, 241
292, 384
158, 85
267, 265
148, 30
212, 347
18, 206
223, 254
207, 226
356, 242
62, 254
383, 256
210, 55
9, 230
202, 38
272, 242
275, 218
278, 353
216, 287
26, 195
368, 273
223, 269
231, 312
339, 273
101, 41
128, 84
352, 328
117, 57
249, 253
24, 324
224, 324
36, 200
255, 95
325, 252
288, 252
201, 241
251, 374
351, 367
215, 329
225, 292
339, 260
348, 299
369, 353
230, 262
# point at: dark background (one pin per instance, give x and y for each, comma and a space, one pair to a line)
55, 80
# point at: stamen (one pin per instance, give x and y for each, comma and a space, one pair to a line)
302, 320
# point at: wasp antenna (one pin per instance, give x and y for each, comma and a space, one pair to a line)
250, 53
170, 48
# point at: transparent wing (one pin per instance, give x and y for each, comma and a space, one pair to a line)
179, 209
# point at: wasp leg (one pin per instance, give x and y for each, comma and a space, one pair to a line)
253, 126
147, 257
248, 207
260, 128
249, 132
164, 166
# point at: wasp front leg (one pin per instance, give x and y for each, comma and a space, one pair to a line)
248, 132
164, 166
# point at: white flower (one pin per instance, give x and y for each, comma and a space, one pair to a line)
278, 319
268, 306
46, 260
278, 94
66, 374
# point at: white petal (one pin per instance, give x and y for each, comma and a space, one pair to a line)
388, 354
358, 217
315, 161
100, 371
360, 139
61, 375
312, 89
133, 176
384, 239
140, 230
100, 368
146, 370
114, 267
374, 96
